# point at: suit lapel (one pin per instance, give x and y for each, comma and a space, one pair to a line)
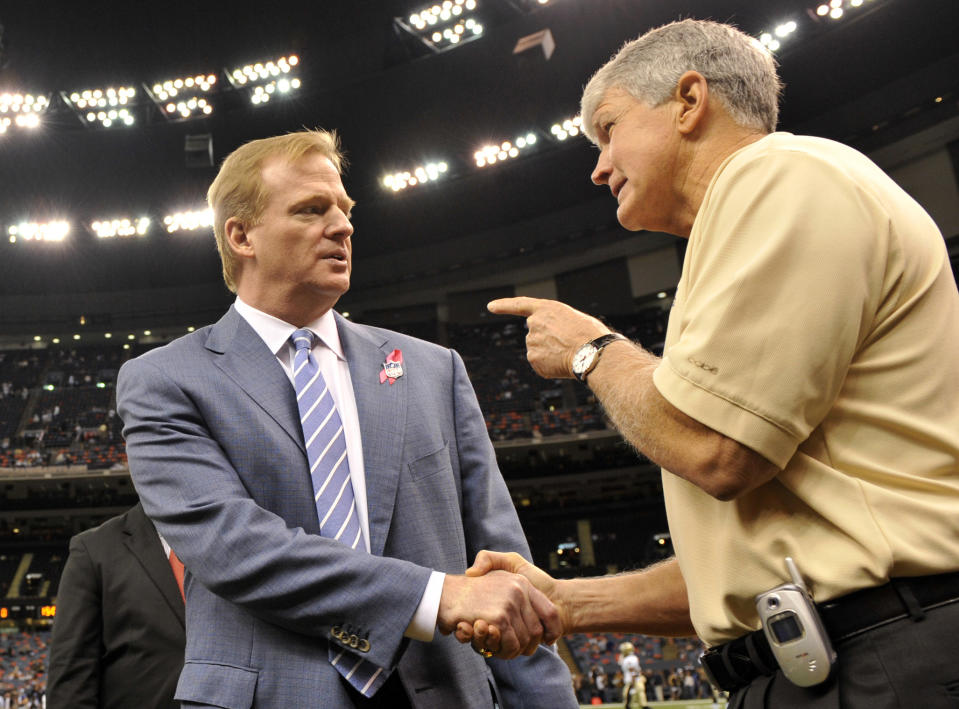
141, 538
382, 413
246, 359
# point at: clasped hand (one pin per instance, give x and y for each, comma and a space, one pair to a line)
501, 606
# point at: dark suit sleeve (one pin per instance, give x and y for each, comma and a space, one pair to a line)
76, 645
490, 522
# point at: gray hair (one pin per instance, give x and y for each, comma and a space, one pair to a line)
738, 70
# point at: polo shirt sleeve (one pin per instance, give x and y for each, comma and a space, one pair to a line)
780, 284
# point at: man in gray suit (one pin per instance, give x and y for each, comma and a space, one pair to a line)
118, 636
308, 586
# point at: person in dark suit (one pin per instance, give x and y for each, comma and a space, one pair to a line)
118, 636
297, 597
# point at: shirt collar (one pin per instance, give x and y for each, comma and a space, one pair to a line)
276, 333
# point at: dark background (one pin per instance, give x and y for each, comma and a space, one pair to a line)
868, 80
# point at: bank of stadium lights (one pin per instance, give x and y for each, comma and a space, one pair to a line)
260, 72
462, 30
124, 226
106, 107
833, 10
446, 24
836, 9
267, 79
492, 154
420, 175
189, 221
182, 98
567, 128
39, 231
21, 110
772, 41
262, 94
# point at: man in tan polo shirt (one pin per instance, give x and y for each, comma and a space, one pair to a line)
807, 402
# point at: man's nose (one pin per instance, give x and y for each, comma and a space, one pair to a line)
342, 227
601, 172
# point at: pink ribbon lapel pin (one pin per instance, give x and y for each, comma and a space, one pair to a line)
392, 367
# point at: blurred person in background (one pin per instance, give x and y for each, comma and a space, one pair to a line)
118, 635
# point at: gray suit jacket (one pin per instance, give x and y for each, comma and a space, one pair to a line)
216, 453
118, 636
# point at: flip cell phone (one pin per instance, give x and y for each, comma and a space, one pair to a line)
795, 631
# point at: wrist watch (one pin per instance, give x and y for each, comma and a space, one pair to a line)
587, 356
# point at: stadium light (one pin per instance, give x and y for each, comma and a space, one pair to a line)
189, 220
267, 79
836, 9
772, 41
122, 226
420, 175
444, 25
182, 98
492, 154
106, 107
21, 110
39, 231
567, 128
264, 92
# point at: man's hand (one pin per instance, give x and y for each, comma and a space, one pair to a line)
556, 331
521, 613
484, 633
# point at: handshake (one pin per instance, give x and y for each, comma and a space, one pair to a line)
503, 605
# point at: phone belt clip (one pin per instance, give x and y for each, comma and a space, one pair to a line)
737, 663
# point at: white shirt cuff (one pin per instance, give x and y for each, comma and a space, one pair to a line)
423, 624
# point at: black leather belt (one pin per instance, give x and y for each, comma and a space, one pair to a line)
738, 662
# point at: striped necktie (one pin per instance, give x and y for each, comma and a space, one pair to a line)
332, 487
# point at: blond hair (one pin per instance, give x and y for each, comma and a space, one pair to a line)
238, 190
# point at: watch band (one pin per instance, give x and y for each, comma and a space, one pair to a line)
599, 344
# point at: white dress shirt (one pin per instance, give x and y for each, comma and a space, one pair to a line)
328, 353
166, 545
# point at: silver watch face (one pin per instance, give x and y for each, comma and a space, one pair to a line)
583, 358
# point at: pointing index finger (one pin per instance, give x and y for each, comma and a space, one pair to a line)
521, 305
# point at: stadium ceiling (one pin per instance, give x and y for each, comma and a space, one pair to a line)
400, 102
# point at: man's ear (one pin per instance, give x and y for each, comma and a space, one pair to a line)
237, 238
692, 93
